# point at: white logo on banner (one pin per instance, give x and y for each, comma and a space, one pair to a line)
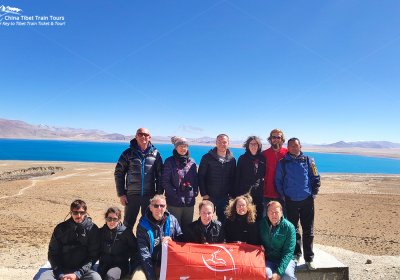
217, 259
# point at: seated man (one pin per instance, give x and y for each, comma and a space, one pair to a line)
205, 230
278, 236
155, 227
74, 247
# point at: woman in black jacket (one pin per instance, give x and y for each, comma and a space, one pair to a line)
240, 225
118, 247
250, 173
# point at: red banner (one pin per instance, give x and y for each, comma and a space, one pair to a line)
231, 261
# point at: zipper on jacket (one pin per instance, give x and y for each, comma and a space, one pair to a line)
143, 164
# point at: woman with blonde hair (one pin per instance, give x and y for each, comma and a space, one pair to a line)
240, 225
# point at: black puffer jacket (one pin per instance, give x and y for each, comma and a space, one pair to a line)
216, 177
196, 232
139, 173
250, 174
118, 248
73, 247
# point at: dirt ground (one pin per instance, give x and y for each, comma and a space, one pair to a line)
359, 213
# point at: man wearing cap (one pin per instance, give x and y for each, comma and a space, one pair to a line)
138, 176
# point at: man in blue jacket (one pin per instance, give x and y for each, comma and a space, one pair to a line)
297, 181
155, 227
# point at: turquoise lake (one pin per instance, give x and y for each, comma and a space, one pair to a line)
51, 150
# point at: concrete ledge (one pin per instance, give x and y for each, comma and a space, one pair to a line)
328, 268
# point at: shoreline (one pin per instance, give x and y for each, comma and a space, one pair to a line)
391, 153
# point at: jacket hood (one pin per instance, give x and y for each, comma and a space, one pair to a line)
119, 229
228, 157
290, 157
87, 224
149, 216
134, 145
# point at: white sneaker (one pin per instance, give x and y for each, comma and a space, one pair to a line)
311, 265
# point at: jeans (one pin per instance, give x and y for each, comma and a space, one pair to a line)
271, 267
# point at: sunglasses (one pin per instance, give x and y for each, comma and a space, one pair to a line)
111, 219
276, 137
76, 213
140, 134
159, 205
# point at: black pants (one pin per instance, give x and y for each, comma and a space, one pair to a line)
220, 204
303, 211
135, 202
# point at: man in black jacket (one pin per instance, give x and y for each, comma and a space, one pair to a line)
217, 175
74, 247
138, 176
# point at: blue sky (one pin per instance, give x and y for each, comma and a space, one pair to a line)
322, 71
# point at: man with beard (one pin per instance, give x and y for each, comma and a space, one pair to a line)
74, 247
138, 176
272, 156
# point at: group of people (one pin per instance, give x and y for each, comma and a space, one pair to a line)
282, 181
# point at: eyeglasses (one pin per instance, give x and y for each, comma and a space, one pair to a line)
276, 137
140, 134
159, 205
253, 144
76, 213
111, 219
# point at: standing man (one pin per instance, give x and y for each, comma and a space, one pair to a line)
74, 247
138, 176
217, 175
297, 181
272, 156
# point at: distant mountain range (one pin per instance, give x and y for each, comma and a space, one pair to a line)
16, 129
364, 144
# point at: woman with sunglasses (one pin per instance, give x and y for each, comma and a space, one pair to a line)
179, 179
155, 227
118, 247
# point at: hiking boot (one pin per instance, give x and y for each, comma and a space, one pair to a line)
311, 265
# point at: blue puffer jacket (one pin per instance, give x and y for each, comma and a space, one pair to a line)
182, 193
150, 244
297, 177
